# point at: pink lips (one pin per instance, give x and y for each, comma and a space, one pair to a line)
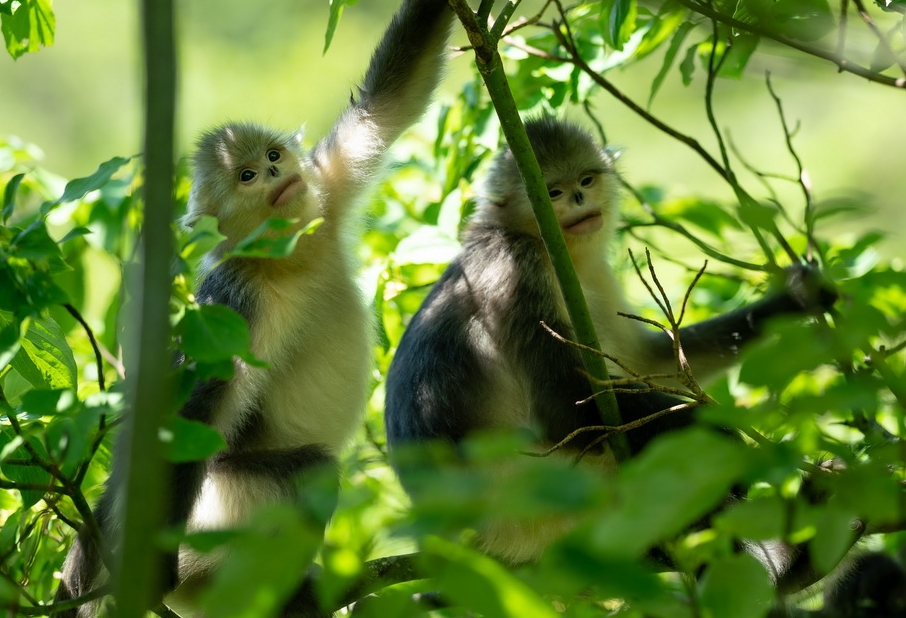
586, 224
286, 190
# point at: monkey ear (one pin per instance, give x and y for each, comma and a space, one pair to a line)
299, 136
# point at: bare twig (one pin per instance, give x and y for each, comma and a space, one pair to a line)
94, 343
801, 174
608, 430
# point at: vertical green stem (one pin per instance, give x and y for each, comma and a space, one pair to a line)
137, 575
491, 68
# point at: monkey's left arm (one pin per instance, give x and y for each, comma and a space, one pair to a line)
397, 87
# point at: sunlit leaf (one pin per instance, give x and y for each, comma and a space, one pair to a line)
29, 27
281, 546
675, 43
478, 582
736, 586
29, 475
204, 237
687, 66
833, 538
212, 333
46, 360
617, 21
662, 490
9, 195
275, 238
737, 55
755, 520
189, 440
78, 188
336, 11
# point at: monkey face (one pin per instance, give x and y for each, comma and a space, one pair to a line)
245, 174
582, 203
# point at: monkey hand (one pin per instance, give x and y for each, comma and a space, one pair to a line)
807, 286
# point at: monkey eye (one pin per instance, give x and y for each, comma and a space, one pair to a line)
273, 155
247, 175
587, 181
555, 193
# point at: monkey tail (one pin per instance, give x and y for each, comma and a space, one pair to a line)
80, 572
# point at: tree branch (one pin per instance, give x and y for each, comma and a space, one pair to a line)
843, 64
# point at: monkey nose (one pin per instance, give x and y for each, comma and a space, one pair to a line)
272, 170
579, 198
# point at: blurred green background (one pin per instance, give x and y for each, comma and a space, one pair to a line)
80, 100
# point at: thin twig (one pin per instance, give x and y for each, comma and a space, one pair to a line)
659, 221
576, 59
94, 343
589, 349
634, 425
801, 173
609, 431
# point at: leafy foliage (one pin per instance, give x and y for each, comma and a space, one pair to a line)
27, 25
821, 403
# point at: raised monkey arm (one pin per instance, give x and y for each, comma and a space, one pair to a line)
403, 73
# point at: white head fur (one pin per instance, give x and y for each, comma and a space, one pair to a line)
580, 180
244, 173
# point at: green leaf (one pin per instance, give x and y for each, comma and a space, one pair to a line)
275, 238
212, 333
757, 215
659, 27
427, 245
28, 474
46, 360
336, 11
75, 232
10, 333
737, 55
204, 237
34, 243
806, 20
663, 489
756, 520
29, 27
281, 546
687, 66
189, 440
833, 537
675, 43
768, 362
9, 532
78, 188
707, 215
736, 586
9, 195
480, 583
617, 20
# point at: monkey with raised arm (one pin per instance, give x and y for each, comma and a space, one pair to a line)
476, 357
306, 316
